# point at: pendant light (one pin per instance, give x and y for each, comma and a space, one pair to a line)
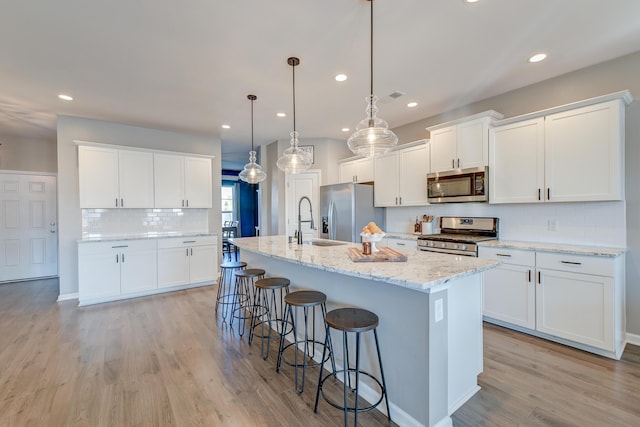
372, 137
252, 172
294, 160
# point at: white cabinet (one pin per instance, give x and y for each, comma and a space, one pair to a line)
359, 170
182, 181
509, 290
462, 143
572, 155
111, 269
183, 261
401, 176
577, 300
115, 178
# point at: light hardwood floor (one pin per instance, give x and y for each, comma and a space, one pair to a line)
165, 360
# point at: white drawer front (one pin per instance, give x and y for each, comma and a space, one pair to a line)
599, 266
402, 244
91, 248
510, 256
177, 242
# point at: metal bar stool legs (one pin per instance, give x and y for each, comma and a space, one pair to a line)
352, 320
306, 300
228, 294
246, 296
268, 312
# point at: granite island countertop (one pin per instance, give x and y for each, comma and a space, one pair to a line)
423, 271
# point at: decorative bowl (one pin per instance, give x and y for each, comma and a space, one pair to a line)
373, 239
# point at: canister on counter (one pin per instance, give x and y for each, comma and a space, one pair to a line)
366, 248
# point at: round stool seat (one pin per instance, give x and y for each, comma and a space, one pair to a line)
233, 264
272, 283
352, 319
250, 272
305, 298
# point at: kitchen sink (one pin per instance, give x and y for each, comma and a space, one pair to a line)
323, 243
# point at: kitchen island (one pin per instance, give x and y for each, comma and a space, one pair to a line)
430, 310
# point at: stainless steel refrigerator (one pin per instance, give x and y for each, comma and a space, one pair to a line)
345, 209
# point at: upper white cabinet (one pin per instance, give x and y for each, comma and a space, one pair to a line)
359, 170
115, 178
182, 181
401, 176
568, 154
462, 143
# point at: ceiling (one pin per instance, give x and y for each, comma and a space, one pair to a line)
188, 67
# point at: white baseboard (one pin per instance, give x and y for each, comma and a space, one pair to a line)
445, 422
65, 297
633, 339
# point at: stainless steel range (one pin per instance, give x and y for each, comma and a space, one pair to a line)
459, 235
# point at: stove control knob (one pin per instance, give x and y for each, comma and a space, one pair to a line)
455, 246
431, 244
463, 247
443, 245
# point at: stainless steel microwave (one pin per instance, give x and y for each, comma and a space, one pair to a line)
459, 185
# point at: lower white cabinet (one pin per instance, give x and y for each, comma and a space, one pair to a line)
183, 261
509, 290
115, 270
574, 299
406, 244
110, 269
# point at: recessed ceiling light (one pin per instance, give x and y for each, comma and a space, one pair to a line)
226, 127
281, 115
65, 97
412, 104
470, 1
345, 129
341, 77
538, 57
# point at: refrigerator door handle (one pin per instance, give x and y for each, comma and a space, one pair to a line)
332, 232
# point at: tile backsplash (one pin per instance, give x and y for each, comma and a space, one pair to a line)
593, 223
132, 222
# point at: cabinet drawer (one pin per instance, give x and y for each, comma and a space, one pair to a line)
402, 243
91, 248
510, 256
576, 263
177, 242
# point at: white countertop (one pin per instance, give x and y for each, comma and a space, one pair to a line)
423, 271
602, 251
142, 236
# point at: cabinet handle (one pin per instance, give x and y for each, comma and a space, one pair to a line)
504, 255
189, 241
187, 251
548, 193
539, 277
529, 276
453, 163
187, 202
116, 202
191, 251
117, 258
400, 244
458, 163
538, 194
571, 262
122, 257
400, 199
396, 200
183, 203
122, 203
121, 246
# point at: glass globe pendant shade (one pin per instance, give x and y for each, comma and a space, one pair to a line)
293, 159
372, 136
252, 172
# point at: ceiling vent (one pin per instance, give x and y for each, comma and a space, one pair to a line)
393, 95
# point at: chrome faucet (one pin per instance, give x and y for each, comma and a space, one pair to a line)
300, 221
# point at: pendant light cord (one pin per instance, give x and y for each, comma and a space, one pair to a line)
252, 125
371, 124
293, 66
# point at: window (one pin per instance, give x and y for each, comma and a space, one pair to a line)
227, 204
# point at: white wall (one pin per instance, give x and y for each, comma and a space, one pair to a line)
69, 212
28, 154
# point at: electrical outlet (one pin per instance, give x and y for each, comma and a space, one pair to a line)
439, 315
552, 225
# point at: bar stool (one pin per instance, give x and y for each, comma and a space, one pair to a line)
307, 300
227, 291
268, 312
353, 320
246, 295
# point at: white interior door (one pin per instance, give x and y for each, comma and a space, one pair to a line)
28, 226
298, 186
